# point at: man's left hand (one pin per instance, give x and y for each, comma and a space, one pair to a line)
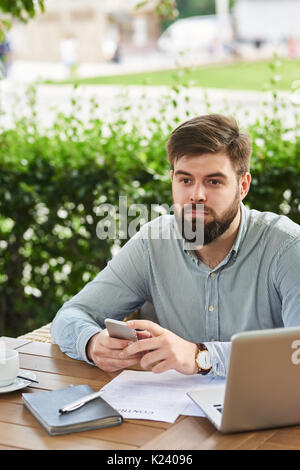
164, 349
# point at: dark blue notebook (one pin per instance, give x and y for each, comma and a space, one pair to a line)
93, 415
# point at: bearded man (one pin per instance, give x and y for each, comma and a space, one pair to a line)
243, 274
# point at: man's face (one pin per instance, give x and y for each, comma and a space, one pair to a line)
209, 180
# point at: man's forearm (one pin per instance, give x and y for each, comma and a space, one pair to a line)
71, 329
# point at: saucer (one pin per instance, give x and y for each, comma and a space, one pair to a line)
19, 383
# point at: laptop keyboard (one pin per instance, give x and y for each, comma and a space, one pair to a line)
219, 408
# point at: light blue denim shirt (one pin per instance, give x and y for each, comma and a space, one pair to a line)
256, 286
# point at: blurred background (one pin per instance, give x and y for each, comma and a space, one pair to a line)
89, 35
89, 93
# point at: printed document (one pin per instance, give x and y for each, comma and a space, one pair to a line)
158, 397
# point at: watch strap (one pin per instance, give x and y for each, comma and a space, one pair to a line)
202, 347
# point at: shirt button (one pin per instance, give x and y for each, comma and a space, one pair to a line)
212, 275
211, 308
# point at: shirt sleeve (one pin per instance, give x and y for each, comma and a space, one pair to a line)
116, 291
286, 275
287, 279
219, 353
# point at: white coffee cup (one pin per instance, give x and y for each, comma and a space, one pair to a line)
9, 366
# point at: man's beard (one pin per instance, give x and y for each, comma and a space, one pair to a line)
211, 230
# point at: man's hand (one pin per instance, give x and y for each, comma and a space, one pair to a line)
164, 348
104, 351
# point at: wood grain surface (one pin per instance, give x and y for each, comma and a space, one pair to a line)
54, 370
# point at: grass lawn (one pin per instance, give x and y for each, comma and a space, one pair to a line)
237, 76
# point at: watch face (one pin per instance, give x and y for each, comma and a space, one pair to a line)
203, 360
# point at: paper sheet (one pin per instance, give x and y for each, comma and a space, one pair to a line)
158, 397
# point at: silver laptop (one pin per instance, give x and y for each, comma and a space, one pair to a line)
262, 388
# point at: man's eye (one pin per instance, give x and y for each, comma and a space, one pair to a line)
185, 180
214, 182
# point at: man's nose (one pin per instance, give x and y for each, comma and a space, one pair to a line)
198, 194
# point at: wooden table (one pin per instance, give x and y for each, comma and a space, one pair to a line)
54, 370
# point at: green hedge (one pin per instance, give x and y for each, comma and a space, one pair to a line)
52, 182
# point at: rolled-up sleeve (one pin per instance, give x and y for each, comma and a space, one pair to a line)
115, 292
219, 352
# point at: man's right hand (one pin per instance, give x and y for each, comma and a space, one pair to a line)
104, 351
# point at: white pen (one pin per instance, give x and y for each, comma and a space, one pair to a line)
74, 405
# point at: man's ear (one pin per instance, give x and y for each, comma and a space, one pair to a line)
245, 184
172, 174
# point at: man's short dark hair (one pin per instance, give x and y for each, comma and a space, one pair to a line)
212, 133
